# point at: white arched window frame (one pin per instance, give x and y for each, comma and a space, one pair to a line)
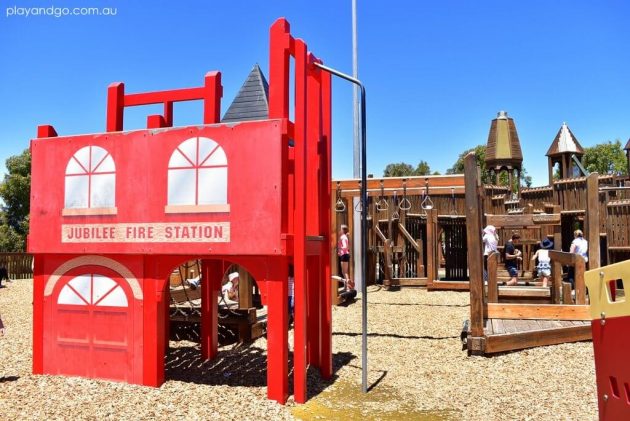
197, 177
93, 289
90, 183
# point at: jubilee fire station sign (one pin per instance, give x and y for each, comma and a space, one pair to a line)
189, 232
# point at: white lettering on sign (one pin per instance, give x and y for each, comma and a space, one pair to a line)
182, 232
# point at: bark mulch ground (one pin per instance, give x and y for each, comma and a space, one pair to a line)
416, 365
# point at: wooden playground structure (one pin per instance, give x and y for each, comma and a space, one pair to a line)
246, 318
416, 226
509, 318
426, 231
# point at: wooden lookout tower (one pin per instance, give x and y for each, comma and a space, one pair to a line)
567, 152
503, 150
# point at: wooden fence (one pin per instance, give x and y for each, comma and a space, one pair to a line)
19, 265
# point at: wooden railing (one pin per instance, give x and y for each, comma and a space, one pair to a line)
19, 265
559, 290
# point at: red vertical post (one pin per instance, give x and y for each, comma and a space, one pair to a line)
277, 331
313, 135
153, 335
299, 347
279, 53
212, 98
314, 297
211, 281
279, 56
168, 113
325, 204
115, 107
39, 282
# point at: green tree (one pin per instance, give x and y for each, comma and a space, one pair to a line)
423, 168
402, 169
15, 191
480, 156
606, 158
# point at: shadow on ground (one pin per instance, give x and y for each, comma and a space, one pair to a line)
241, 365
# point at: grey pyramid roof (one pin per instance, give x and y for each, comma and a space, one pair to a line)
252, 100
565, 142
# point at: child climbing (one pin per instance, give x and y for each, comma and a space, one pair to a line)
544, 261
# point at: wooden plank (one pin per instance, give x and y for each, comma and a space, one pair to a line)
562, 257
437, 285
592, 220
538, 311
408, 282
398, 191
522, 340
509, 326
473, 230
523, 291
509, 221
380, 234
182, 295
408, 236
522, 325
454, 180
497, 326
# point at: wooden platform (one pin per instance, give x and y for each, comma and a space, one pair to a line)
502, 335
248, 323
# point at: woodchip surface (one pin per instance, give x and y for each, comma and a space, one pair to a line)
416, 364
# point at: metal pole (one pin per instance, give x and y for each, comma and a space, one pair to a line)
364, 368
356, 172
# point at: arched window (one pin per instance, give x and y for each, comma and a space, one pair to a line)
93, 289
197, 177
90, 182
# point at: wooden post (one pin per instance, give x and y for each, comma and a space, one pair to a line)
566, 293
493, 288
556, 281
473, 238
387, 260
431, 248
580, 288
244, 288
212, 272
592, 220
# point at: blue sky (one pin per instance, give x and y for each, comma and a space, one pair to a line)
436, 72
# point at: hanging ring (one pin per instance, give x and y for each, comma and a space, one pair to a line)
427, 203
340, 206
404, 204
382, 205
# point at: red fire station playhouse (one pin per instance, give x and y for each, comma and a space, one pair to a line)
113, 213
